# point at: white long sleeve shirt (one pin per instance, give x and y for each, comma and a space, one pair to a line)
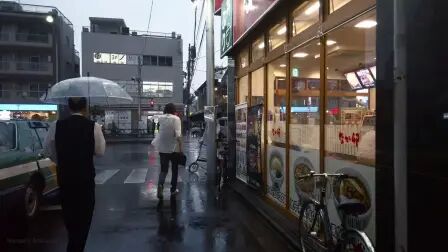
170, 132
50, 142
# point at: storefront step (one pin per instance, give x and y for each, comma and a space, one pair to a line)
283, 224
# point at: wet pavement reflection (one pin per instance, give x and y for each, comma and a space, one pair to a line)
129, 217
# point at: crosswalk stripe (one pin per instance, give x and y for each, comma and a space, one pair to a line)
136, 176
104, 176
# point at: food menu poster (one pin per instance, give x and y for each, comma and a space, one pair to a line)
360, 188
253, 145
241, 137
302, 163
276, 174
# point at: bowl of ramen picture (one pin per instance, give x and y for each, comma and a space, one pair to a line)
276, 170
353, 190
304, 188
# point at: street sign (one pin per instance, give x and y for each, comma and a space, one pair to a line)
226, 26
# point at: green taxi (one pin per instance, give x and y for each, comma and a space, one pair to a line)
25, 175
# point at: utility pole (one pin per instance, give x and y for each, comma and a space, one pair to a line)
187, 91
210, 54
139, 87
190, 66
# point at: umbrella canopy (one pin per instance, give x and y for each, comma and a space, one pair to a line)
98, 91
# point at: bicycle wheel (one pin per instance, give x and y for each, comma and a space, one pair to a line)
311, 235
355, 241
194, 167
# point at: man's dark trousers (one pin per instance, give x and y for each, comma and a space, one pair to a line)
77, 208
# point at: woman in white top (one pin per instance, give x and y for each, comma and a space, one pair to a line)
169, 142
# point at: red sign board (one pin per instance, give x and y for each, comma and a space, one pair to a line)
246, 13
218, 4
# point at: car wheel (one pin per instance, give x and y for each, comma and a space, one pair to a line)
32, 201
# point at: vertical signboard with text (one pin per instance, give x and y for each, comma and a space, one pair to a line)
226, 26
241, 137
253, 145
247, 13
218, 4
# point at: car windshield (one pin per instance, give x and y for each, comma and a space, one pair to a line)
7, 136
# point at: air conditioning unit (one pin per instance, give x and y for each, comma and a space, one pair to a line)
125, 30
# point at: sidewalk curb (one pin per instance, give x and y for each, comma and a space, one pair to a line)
255, 201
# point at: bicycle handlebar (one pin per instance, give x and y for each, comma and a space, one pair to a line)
334, 175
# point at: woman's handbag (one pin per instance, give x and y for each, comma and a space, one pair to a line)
181, 158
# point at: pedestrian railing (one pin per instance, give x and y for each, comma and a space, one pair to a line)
128, 132
4, 36
32, 66
4, 65
32, 37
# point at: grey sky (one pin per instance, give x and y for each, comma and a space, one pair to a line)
167, 16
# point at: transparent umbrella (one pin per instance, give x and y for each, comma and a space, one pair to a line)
98, 91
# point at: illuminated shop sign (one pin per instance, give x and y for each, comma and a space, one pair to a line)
28, 107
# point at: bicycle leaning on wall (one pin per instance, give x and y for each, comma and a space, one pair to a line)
315, 227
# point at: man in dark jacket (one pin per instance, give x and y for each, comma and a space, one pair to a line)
72, 143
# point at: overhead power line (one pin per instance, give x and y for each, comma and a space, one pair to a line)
149, 22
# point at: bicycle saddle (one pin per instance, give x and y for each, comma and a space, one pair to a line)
352, 208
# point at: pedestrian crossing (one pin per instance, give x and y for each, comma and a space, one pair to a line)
137, 176
134, 176
104, 176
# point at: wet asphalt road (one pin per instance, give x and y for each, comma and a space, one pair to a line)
129, 217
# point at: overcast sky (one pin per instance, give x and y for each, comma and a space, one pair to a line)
167, 16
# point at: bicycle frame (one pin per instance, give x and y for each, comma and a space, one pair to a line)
321, 213
321, 207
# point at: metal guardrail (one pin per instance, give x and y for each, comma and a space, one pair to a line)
31, 66
32, 37
143, 33
128, 132
45, 9
4, 65
4, 36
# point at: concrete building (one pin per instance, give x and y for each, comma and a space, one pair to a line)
111, 51
36, 50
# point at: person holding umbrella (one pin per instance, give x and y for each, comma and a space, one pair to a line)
72, 143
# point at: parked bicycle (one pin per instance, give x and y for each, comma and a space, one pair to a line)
221, 167
315, 227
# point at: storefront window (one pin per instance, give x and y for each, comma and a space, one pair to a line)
305, 16
336, 4
243, 89
305, 120
350, 118
276, 130
258, 49
157, 89
277, 35
257, 96
243, 59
